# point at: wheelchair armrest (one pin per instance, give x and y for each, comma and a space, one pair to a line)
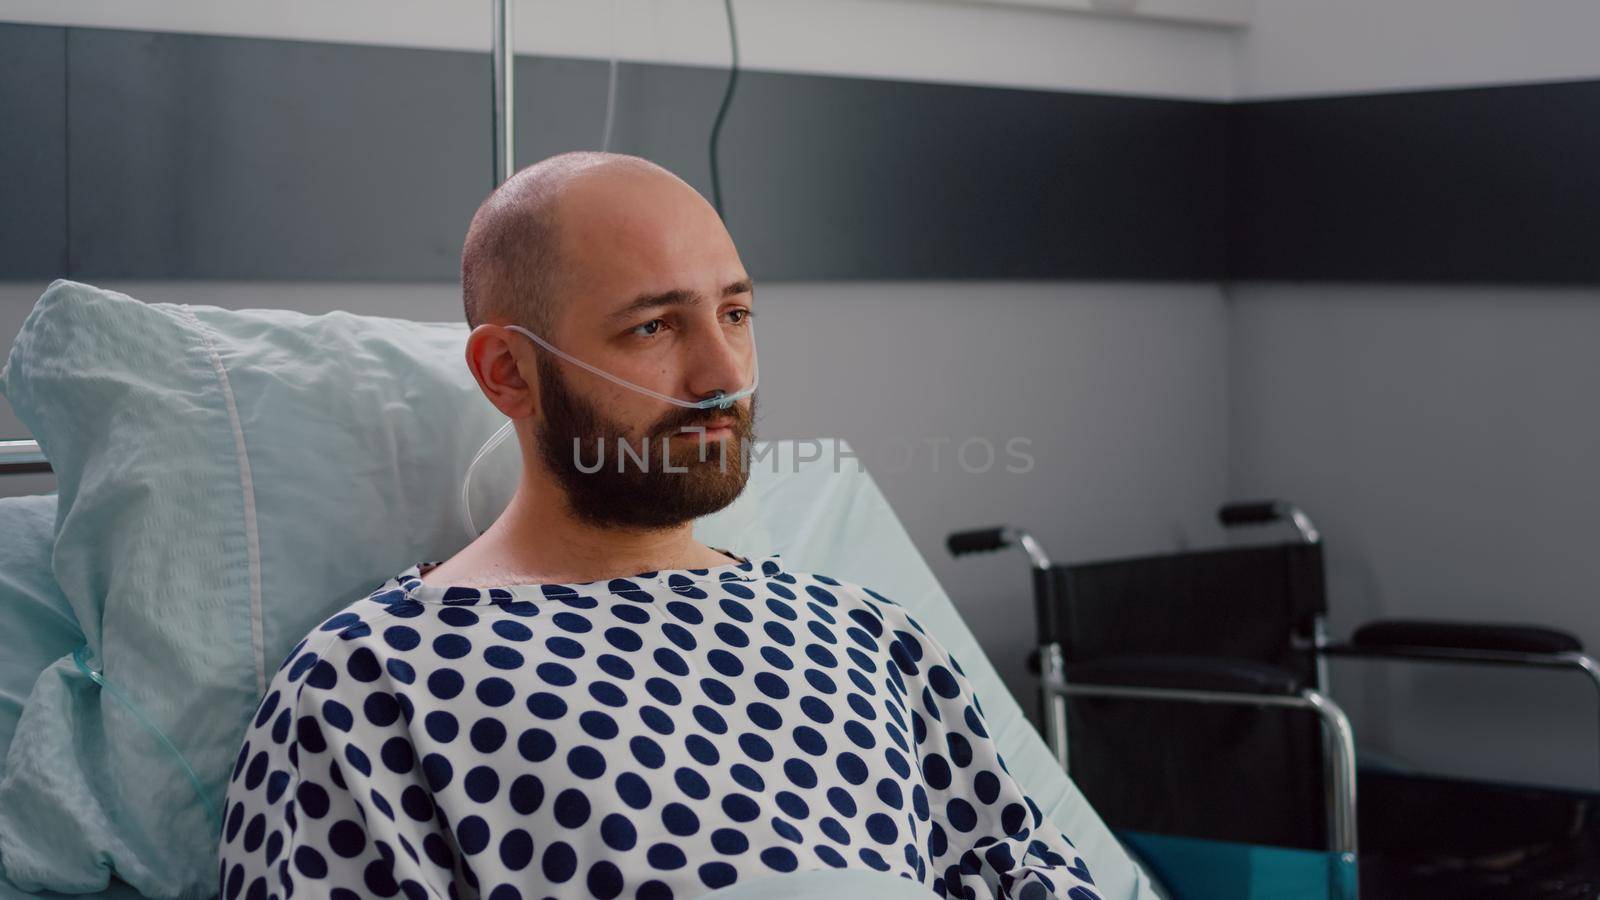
1190, 673
1398, 635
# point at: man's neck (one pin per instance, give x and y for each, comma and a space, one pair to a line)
539, 540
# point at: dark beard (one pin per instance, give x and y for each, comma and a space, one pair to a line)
647, 496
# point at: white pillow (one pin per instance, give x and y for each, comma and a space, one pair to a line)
225, 479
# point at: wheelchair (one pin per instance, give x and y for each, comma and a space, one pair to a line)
1186, 695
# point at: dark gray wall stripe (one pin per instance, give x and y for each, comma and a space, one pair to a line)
136, 154
859, 178
204, 157
33, 151
1497, 184
209, 157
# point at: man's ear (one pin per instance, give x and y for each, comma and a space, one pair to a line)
492, 358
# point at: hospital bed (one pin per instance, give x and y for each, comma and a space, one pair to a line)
1188, 695
836, 523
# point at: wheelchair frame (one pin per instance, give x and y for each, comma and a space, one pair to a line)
1338, 737
1339, 756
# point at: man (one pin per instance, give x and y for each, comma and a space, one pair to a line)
586, 701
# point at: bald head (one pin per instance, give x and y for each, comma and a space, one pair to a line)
531, 241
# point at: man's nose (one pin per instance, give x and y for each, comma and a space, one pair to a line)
722, 361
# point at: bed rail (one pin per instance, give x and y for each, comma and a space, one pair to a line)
20, 457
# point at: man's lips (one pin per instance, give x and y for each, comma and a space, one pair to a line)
718, 428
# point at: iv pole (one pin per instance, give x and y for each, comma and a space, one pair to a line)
504, 135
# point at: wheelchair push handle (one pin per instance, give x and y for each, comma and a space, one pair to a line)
978, 540
1266, 512
997, 537
1253, 512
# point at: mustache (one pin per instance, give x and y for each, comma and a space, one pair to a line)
688, 418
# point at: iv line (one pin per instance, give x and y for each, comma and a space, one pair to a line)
199, 790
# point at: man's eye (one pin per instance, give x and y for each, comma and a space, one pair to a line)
743, 315
648, 328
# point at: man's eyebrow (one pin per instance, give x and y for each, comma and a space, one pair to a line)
675, 297
678, 297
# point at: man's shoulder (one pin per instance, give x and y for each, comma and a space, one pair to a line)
876, 612
857, 599
361, 619
354, 628
816, 583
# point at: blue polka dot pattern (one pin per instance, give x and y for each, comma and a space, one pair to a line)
656, 736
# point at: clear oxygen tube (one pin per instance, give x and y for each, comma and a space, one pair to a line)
719, 400
80, 658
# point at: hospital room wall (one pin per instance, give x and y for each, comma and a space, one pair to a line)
1117, 391
1443, 437
936, 41
884, 364
1444, 440
1299, 48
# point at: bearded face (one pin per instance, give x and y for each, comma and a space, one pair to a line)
655, 478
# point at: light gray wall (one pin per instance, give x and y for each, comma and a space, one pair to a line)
1308, 47
1443, 437
986, 43
1446, 441
1120, 389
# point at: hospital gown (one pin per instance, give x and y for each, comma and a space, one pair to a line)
655, 736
